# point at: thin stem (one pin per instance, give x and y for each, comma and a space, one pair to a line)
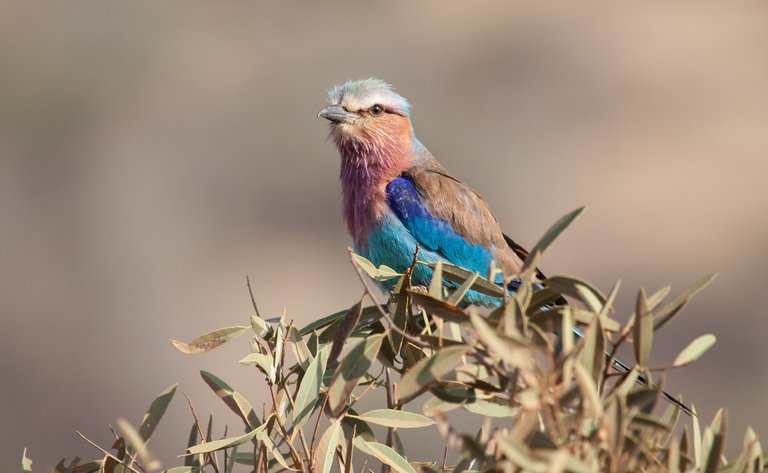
384, 313
105, 452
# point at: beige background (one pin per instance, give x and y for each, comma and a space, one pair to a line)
153, 153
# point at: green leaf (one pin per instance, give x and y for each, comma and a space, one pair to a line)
643, 330
233, 399
26, 463
395, 418
261, 327
390, 457
382, 273
461, 291
592, 355
309, 389
350, 370
694, 350
346, 325
228, 442
210, 340
326, 449
589, 391
299, 347
262, 361
323, 322
137, 444
549, 236
493, 407
436, 285
438, 308
671, 309
514, 352
418, 378
580, 289
276, 454
156, 411
459, 275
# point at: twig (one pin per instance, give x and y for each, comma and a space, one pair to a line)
106, 452
294, 454
253, 300
384, 313
211, 460
317, 425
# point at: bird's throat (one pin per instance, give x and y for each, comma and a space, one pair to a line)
364, 176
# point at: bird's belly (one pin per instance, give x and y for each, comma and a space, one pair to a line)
391, 244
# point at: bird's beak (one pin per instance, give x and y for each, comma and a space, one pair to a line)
337, 114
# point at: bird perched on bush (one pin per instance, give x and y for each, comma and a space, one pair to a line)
396, 195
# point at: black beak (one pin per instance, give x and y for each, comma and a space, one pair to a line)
337, 114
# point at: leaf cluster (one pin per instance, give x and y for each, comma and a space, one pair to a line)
542, 379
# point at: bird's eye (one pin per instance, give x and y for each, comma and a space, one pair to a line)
376, 110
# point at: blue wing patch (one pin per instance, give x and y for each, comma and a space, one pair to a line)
432, 233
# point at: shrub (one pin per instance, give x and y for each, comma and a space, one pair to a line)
545, 402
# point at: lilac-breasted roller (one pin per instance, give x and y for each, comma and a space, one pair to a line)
397, 195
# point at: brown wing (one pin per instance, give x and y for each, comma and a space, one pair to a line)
464, 209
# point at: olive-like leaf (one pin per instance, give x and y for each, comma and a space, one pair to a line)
210, 340
514, 352
26, 463
643, 330
350, 370
346, 325
665, 314
233, 399
382, 273
438, 308
137, 444
423, 373
694, 350
228, 442
459, 275
395, 418
326, 449
390, 457
549, 236
156, 411
580, 289
309, 389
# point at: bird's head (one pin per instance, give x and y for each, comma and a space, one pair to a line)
368, 118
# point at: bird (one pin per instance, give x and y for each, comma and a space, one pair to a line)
396, 197
398, 200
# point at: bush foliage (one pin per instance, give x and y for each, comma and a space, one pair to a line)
545, 402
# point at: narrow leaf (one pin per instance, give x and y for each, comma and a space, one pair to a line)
156, 411
395, 418
694, 350
418, 378
390, 457
665, 314
458, 275
350, 370
221, 444
382, 273
550, 235
309, 389
326, 449
643, 330
26, 463
210, 340
233, 399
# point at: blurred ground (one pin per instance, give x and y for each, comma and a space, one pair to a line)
153, 153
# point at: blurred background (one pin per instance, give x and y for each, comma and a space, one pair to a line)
154, 153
